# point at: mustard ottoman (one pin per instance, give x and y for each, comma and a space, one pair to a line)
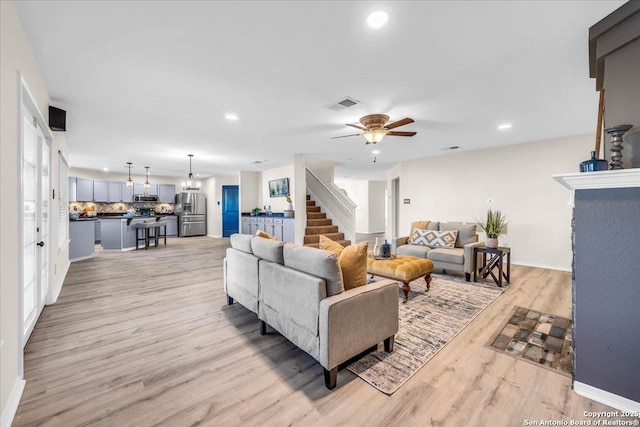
403, 268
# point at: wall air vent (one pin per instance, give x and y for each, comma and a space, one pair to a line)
343, 104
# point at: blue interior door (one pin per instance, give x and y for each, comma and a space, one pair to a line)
230, 213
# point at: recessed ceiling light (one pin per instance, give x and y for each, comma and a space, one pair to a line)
231, 116
504, 126
105, 169
375, 152
377, 20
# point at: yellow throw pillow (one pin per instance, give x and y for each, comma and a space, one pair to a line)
330, 245
266, 235
353, 263
421, 225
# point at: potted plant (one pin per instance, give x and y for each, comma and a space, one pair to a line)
494, 225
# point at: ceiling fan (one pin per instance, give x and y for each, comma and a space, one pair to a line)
375, 128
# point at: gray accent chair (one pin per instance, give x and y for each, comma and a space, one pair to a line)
299, 292
458, 259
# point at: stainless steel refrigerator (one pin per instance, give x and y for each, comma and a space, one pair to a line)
191, 209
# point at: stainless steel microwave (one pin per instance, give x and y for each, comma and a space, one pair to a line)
145, 198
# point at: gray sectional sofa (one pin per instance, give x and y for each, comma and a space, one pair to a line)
459, 258
298, 291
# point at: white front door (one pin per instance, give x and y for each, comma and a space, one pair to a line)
36, 190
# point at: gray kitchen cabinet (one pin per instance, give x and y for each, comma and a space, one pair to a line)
273, 226
100, 191
81, 239
98, 231
115, 192
288, 230
166, 193
72, 189
126, 193
84, 190
246, 225
172, 225
139, 189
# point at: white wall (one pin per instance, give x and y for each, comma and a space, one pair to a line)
377, 191
278, 204
370, 198
517, 179
249, 189
16, 57
212, 187
358, 191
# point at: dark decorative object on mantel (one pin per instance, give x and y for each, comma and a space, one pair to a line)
616, 145
594, 164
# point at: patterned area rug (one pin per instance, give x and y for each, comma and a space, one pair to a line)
428, 321
540, 338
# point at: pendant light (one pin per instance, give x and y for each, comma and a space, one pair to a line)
129, 180
191, 184
147, 185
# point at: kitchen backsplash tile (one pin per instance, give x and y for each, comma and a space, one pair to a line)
119, 207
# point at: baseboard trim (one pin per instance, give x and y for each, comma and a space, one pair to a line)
82, 258
605, 397
12, 403
63, 275
548, 267
215, 237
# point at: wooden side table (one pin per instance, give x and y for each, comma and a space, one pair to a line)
495, 260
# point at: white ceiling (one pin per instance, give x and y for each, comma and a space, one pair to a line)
150, 82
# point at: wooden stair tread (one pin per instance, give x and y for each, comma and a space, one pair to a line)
321, 229
316, 215
314, 238
318, 222
344, 243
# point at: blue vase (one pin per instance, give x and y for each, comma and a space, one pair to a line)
385, 250
594, 164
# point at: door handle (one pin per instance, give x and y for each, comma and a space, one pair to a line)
41, 244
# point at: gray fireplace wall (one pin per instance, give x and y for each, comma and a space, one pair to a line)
607, 290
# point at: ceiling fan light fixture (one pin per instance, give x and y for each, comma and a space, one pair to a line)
377, 20
373, 136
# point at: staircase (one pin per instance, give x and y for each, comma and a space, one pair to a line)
318, 224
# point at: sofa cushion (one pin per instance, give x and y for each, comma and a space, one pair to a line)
452, 255
434, 239
268, 249
318, 262
266, 235
241, 242
352, 260
466, 232
413, 250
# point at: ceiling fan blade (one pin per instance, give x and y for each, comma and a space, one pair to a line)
396, 133
346, 136
355, 126
399, 123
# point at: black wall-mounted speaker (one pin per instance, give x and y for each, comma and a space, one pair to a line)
57, 119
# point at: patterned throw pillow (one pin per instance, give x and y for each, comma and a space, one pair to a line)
434, 239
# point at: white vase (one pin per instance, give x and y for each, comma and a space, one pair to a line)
491, 242
376, 248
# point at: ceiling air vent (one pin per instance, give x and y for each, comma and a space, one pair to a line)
344, 103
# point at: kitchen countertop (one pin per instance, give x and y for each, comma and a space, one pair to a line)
273, 215
84, 219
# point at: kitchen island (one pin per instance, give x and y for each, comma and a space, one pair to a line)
119, 233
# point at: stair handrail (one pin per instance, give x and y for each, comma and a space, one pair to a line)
345, 220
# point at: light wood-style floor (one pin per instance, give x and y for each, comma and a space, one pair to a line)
145, 338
